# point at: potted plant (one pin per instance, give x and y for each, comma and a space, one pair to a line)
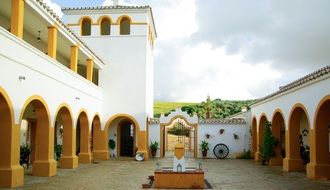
204, 146
112, 144
235, 136
154, 148
25, 153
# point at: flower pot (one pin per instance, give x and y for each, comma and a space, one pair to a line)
153, 153
204, 152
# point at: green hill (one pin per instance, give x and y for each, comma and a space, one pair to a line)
167, 107
209, 109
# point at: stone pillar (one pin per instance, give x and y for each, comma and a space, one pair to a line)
74, 58
17, 17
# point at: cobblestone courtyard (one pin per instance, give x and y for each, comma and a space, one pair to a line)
129, 174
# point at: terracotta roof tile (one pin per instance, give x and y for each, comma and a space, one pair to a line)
105, 7
308, 78
210, 121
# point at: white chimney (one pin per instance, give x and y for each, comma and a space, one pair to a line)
115, 2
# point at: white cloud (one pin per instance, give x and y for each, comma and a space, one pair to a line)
55, 7
236, 49
175, 20
208, 70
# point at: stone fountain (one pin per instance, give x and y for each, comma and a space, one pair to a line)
179, 177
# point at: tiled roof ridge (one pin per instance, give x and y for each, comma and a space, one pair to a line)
106, 7
210, 121
307, 78
222, 121
61, 22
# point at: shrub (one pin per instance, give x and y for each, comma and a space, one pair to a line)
112, 144
25, 153
204, 146
154, 146
58, 151
268, 144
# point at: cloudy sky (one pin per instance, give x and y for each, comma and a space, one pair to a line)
232, 49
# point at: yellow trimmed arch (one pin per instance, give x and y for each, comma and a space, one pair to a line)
85, 17
292, 160
99, 142
44, 164
116, 116
136, 126
84, 155
104, 17
85, 31
68, 160
102, 30
28, 101
163, 125
260, 129
122, 30
122, 17
11, 173
319, 166
278, 121
61, 106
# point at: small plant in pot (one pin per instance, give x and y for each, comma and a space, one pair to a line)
25, 153
112, 144
204, 146
154, 148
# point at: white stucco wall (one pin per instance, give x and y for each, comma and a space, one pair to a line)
154, 135
44, 77
235, 146
126, 81
227, 138
309, 95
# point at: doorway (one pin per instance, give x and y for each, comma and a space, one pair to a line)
126, 139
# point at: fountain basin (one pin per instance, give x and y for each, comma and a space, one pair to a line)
190, 179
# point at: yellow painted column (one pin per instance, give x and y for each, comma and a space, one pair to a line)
142, 144
52, 41
17, 17
90, 64
100, 142
11, 172
74, 58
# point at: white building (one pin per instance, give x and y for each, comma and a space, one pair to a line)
89, 79
72, 83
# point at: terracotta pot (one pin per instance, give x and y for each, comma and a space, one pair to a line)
153, 153
204, 152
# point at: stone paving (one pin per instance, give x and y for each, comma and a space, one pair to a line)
125, 173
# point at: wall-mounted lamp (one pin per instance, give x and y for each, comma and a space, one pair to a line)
39, 38
20, 78
77, 98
